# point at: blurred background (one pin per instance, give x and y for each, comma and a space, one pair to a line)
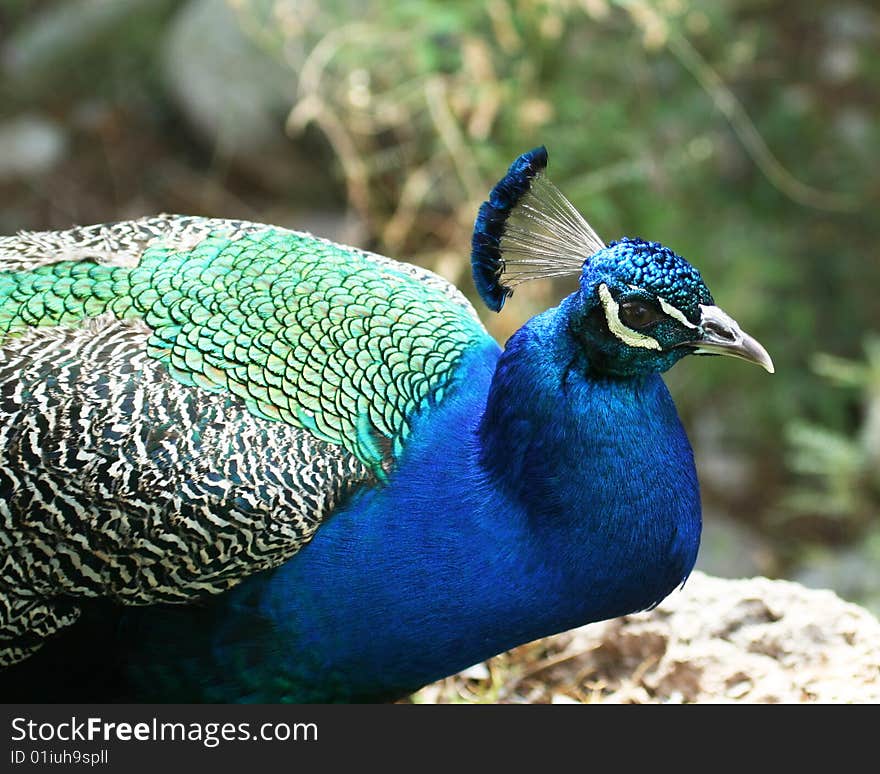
744, 134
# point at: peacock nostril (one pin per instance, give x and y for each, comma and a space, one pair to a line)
721, 335
719, 330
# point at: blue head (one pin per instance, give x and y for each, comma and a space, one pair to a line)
640, 307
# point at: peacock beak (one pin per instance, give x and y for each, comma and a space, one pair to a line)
721, 335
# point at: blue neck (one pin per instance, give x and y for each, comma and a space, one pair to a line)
510, 517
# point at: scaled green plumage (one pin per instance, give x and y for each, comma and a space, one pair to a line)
303, 330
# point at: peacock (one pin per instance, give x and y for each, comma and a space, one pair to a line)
241, 463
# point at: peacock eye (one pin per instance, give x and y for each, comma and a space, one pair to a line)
637, 314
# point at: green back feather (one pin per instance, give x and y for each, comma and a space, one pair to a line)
302, 330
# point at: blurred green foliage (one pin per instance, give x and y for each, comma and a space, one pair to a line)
742, 133
839, 468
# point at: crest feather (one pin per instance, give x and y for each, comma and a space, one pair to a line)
527, 230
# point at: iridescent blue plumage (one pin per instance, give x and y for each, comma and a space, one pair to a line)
651, 265
550, 485
486, 255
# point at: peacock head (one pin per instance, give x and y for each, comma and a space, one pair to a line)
640, 307
643, 308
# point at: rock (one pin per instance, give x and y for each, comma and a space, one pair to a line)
715, 641
853, 571
236, 97
755, 640
46, 44
29, 145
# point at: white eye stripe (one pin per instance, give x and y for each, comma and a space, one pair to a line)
627, 335
669, 309
675, 314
